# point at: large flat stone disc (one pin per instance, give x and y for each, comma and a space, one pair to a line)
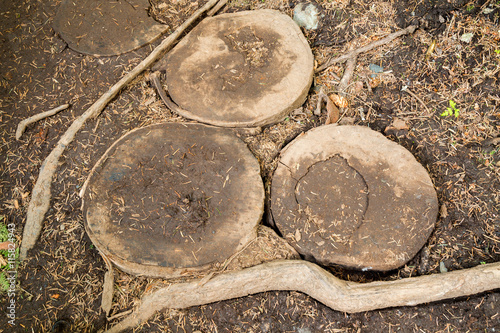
347, 195
173, 198
242, 69
104, 27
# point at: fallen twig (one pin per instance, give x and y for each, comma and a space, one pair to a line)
418, 99
216, 8
341, 98
332, 111
321, 97
23, 124
316, 282
107, 289
408, 30
40, 198
121, 314
346, 78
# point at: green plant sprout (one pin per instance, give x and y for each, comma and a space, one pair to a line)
4, 284
451, 111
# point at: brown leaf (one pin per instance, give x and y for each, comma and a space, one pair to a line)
333, 114
340, 101
5, 245
374, 82
399, 124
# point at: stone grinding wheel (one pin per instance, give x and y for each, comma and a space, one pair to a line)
241, 69
347, 195
106, 28
173, 199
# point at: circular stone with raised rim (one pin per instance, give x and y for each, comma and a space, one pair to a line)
241, 69
347, 195
172, 199
106, 28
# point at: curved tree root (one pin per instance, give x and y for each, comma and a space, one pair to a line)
40, 198
314, 281
23, 124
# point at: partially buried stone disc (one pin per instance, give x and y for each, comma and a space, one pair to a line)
105, 28
347, 195
173, 199
241, 69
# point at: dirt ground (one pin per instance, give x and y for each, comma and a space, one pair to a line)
453, 56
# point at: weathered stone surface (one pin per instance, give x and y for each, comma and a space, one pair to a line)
166, 200
347, 195
242, 69
105, 28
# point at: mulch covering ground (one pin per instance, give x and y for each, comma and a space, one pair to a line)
60, 283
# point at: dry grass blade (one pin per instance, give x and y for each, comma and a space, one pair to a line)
40, 199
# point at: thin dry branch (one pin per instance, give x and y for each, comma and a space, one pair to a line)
23, 124
314, 281
107, 289
40, 198
346, 78
408, 30
418, 99
216, 8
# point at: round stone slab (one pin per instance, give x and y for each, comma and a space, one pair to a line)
347, 195
166, 200
106, 28
241, 69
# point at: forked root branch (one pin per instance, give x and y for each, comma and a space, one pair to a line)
314, 281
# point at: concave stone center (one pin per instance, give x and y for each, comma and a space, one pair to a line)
334, 195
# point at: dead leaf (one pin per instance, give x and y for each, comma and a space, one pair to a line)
399, 124
374, 82
333, 113
5, 245
340, 101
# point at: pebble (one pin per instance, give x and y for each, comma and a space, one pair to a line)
306, 15
442, 267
